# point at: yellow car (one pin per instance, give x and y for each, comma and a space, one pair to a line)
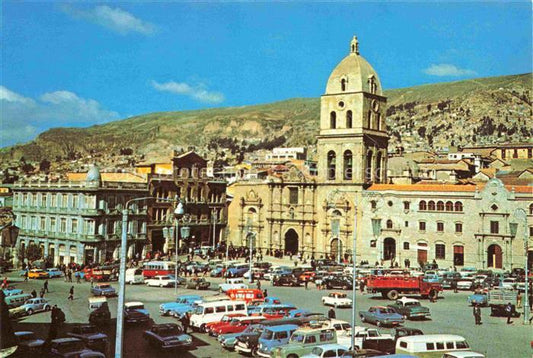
36, 273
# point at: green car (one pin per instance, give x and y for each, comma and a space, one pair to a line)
303, 341
198, 284
410, 308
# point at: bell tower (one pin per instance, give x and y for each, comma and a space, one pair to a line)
353, 139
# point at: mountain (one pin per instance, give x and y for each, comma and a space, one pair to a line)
427, 117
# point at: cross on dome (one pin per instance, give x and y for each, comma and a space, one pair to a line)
354, 46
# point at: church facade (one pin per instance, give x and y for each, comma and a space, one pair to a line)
350, 199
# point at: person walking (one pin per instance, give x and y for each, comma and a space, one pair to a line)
45, 286
41, 293
26, 275
78, 277
265, 293
509, 312
33, 293
306, 282
454, 285
519, 299
185, 321
258, 284
362, 286
331, 313
92, 281
477, 314
71, 293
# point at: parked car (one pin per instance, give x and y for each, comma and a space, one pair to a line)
364, 353
30, 307
12, 291
28, 343
236, 325
167, 336
237, 270
343, 282
228, 341
54, 272
286, 279
217, 271
72, 347
198, 283
303, 341
399, 332
89, 334
182, 305
463, 354
273, 337
103, 289
465, 283
508, 283
161, 281
478, 298
410, 308
381, 316
134, 312
232, 283
337, 299
37, 273
450, 277
327, 351
226, 319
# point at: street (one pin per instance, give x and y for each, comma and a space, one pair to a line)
451, 314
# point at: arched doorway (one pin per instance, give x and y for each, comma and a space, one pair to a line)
336, 249
389, 248
158, 241
291, 241
494, 256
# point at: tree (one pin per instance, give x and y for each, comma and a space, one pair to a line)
27, 168
44, 166
422, 131
32, 252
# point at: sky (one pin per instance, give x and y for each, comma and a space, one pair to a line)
77, 64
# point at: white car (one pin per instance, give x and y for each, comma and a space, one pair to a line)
160, 281
231, 284
342, 328
508, 283
337, 299
31, 306
327, 350
465, 283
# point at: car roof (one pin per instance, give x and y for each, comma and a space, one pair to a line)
134, 303
468, 354
282, 327
332, 346
407, 299
21, 333
66, 339
189, 296
380, 307
434, 337
216, 303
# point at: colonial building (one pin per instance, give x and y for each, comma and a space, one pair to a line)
349, 198
80, 220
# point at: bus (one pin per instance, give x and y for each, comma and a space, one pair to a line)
155, 268
246, 294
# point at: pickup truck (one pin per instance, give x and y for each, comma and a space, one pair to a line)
369, 338
498, 299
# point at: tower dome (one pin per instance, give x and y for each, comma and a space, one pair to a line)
93, 175
353, 74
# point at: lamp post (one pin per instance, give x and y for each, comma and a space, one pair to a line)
178, 212
520, 214
376, 231
214, 228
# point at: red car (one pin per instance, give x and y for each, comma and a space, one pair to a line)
308, 276
237, 325
226, 319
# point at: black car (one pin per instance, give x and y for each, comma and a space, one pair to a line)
91, 337
167, 336
399, 332
285, 280
342, 282
450, 278
28, 343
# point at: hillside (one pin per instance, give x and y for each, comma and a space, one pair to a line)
477, 111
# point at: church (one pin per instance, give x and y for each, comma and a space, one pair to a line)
351, 199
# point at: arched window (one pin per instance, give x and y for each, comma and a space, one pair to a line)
331, 165
431, 205
349, 119
449, 206
343, 85
389, 224
458, 206
440, 206
378, 121
336, 223
378, 167
333, 120
348, 162
422, 205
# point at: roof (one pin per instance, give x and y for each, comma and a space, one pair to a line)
109, 177
331, 346
216, 303
443, 187
437, 337
281, 327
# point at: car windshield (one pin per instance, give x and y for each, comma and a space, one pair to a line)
71, 346
167, 332
412, 303
267, 335
104, 286
199, 310
387, 310
136, 307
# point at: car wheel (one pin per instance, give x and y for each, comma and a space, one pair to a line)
47, 308
203, 329
161, 285
292, 356
392, 295
30, 312
324, 302
363, 319
378, 323
220, 290
404, 317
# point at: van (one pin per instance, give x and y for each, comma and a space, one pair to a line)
134, 275
431, 345
214, 311
273, 337
17, 300
96, 302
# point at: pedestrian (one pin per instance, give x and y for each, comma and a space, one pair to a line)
362, 286
331, 313
477, 314
306, 282
33, 293
26, 275
454, 285
41, 293
265, 293
519, 299
46, 286
258, 284
78, 277
185, 321
69, 275
71, 293
509, 312
92, 281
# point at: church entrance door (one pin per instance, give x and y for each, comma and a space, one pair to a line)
291, 242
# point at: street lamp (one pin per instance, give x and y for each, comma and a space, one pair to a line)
376, 230
178, 212
520, 215
214, 216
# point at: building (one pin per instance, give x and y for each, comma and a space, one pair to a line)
284, 154
80, 220
204, 200
504, 151
292, 211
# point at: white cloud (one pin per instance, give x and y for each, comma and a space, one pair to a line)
445, 69
22, 117
115, 19
198, 92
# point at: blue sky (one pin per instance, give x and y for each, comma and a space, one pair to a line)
83, 63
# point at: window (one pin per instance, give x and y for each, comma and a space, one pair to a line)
449, 206
349, 119
458, 255
461, 345
329, 354
293, 195
343, 85
239, 307
310, 339
406, 245
348, 162
440, 206
440, 251
406, 205
530, 152
458, 227
208, 310
530, 209
282, 335
373, 204
326, 336
64, 201
230, 308
75, 201
458, 206
515, 153
403, 344
389, 203
440, 226
440, 345
389, 224
494, 227
63, 224
406, 224
53, 201
422, 205
430, 346
52, 224
422, 225
74, 226
449, 345
431, 205
503, 153
333, 120
219, 309
331, 165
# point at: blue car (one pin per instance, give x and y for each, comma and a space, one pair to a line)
273, 337
54, 272
381, 316
11, 291
103, 289
479, 299
237, 270
182, 305
229, 340
298, 313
